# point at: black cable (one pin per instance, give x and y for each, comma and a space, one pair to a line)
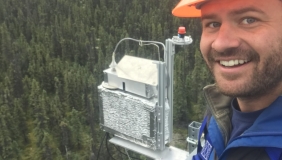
107, 146
101, 146
126, 154
108, 136
120, 153
123, 152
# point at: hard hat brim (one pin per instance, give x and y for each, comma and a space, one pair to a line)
187, 8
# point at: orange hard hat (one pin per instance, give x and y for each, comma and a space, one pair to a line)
188, 8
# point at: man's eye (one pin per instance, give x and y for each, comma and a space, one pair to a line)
214, 25
249, 20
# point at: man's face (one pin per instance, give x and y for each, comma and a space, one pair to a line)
242, 45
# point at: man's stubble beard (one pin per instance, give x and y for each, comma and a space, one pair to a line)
262, 80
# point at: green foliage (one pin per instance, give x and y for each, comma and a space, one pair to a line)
52, 54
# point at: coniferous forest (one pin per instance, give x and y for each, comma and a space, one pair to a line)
52, 57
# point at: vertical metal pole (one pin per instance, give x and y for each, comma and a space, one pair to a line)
170, 51
161, 106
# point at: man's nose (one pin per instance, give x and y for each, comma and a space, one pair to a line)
227, 38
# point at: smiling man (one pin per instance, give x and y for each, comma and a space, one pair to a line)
242, 45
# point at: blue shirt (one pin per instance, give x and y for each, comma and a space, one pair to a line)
241, 121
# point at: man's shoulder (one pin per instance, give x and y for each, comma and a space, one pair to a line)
247, 153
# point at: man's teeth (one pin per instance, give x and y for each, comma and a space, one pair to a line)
232, 62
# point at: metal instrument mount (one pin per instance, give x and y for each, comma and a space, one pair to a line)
164, 94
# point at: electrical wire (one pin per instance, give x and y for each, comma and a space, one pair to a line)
107, 138
101, 146
107, 146
120, 153
141, 42
127, 153
154, 45
124, 153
